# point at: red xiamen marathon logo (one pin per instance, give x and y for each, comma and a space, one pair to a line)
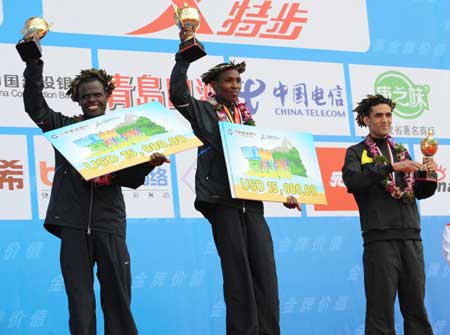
246, 18
11, 175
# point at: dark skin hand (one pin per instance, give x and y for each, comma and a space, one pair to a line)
186, 32
157, 159
291, 202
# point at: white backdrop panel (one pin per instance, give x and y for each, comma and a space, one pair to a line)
57, 75
306, 24
421, 95
296, 95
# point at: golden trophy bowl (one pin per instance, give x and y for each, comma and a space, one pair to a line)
29, 47
428, 146
188, 20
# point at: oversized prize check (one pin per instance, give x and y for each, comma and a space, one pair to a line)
122, 138
269, 165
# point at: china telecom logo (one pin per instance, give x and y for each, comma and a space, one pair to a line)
411, 99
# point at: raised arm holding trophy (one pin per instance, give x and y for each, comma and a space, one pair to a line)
188, 20
29, 47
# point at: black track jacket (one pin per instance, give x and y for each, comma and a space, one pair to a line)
382, 217
74, 202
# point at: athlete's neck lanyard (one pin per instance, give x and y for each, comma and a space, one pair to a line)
237, 115
391, 160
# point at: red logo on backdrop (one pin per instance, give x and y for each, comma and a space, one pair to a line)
165, 20
11, 174
440, 170
133, 91
246, 19
331, 161
46, 173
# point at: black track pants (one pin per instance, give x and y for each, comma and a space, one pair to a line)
79, 252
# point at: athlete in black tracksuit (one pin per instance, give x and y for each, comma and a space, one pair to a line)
90, 220
241, 234
393, 255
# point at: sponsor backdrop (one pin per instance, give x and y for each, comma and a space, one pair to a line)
309, 61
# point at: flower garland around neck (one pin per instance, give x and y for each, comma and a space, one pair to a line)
224, 114
407, 193
104, 180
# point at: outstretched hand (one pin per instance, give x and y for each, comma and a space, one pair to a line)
186, 32
157, 159
291, 202
406, 166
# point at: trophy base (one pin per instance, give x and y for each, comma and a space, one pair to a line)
424, 175
192, 49
425, 181
29, 50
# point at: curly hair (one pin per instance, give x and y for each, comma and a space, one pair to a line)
212, 73
365, 105
87, 76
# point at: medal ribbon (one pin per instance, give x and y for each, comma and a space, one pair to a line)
237, 115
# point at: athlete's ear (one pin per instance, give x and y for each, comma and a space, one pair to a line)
366, 120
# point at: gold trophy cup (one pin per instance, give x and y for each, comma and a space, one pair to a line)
428, 146
188, 20
29, 47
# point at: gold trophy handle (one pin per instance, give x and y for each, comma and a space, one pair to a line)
175, 8
428, 146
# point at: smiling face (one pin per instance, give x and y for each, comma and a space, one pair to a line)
92, 98
227, 86
379, 121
